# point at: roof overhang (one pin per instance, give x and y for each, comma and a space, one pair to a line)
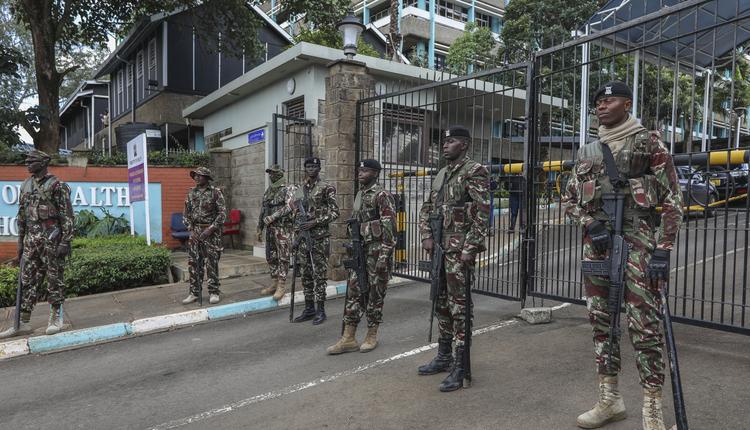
81, 91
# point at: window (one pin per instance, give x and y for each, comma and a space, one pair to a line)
214, 140
120, 89
129, 95
152, 59
483, 20
453, 11
295, 108
139, 73
440, 62
403, 134
408, 3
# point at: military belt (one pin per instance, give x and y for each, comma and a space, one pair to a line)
203, 225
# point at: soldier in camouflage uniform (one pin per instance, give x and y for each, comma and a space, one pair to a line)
317, 199
651, 181
276, 218
204, 216
45, 229
374, 209
460, 193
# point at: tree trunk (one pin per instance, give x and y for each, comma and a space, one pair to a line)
394, 37
38, 15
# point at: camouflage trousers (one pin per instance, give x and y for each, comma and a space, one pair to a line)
40, 261
378, 282
642, 303
451, 301
314, 281
278, 245
204, 253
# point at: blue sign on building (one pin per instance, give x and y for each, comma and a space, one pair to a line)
256, 136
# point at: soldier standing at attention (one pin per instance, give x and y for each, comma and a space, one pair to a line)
649, 181
276, 217
204, 216
315, 209
460, 193
374, 209
45, 229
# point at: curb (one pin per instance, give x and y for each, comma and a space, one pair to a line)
111, 332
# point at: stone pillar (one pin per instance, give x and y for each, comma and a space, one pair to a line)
220, 163
347, 82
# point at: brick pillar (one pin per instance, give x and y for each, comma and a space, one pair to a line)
347, 82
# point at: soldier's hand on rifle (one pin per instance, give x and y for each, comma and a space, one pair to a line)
467, 258
600, 236
63, 249
428, 244
205, 233
381, 266
259, 235
267, 220
307, 225
658, 267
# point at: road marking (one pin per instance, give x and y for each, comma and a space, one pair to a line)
707, 260
314, 383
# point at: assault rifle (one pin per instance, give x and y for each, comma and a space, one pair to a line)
435, 266
469, 271
614, 266
674, 367
264, 212
357, 263
19, 291
299, 235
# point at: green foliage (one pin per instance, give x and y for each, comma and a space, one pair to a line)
324, 14
473, 48
155, 158
331, 38
89, 225
530, 25
9, 156
8, 285
114, 263
85, 220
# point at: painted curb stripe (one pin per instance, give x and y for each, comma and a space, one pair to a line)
163, 322
77, 337
14, 348
240, 308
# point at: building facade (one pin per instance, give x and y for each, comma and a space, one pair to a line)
84, 115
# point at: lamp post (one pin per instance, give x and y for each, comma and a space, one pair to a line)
350, 29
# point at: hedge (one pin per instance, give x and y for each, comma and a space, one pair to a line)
100, 265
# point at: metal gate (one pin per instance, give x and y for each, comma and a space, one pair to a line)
292, 143
402, 129
688, 63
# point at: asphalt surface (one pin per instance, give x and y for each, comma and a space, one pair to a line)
263, 372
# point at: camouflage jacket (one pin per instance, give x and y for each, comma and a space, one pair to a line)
205, 206
276, 204
465, 207
652, 183
375, 209
45, 203
319, 200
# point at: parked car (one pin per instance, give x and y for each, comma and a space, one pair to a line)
698, 192
728, 183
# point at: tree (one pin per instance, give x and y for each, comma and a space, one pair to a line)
60, 28
530, 25
333, 39
11, 62
472, 50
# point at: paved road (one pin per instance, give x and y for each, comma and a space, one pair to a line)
262, 372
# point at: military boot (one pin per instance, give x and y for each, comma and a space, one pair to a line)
653, 419
55, 323
442, 362
320, 315
308, 313
455, 379
267, 291
280, 289
23, 329
371, 340
347, 343
609, 408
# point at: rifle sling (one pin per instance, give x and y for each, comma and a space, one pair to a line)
615, 178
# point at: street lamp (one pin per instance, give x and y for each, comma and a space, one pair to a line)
350, 29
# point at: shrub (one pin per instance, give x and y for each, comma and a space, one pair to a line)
87, 224
114, 263
8, 284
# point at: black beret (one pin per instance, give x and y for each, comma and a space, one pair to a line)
457, 131
312, 160
371, 164
613, 89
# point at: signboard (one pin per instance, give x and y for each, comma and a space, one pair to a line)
138, 180
94, 196
137, 168
256, 136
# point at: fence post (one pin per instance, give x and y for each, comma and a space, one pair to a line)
529, 230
